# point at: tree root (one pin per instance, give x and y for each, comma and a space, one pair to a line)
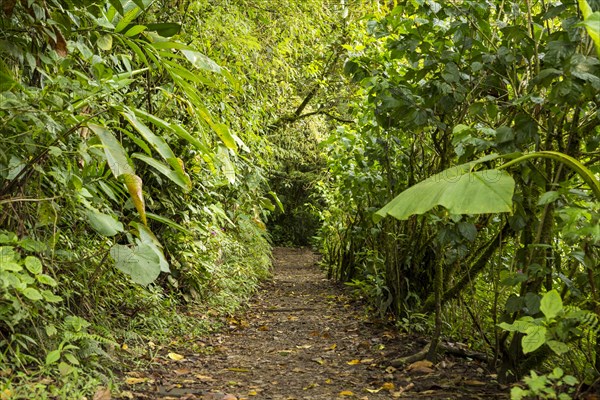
442, 347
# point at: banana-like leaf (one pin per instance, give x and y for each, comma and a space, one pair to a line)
118, 162
116, 157
155, 141
459, 190
220, 129
181, 179
173, 127
591, 22
160, 145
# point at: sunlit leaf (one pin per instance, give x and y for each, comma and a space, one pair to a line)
201, 61
134, 186
551, 304
32, 294
105, 42
458, 190
535, 336
33, 265
135, 30
175, 356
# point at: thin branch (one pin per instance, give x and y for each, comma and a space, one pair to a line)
22, 199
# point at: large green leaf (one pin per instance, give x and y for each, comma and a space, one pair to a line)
104, 224
179, 177
175, 128
157, 142
147, 237
535, 336
459, 190
140, 262
551, 304
115, 153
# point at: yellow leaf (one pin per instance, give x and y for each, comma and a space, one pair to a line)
373, 390
332, 347
135, 381
346, 393
328, 381
252, 393
353, 362
366, 361
175, 356
124, 347
6, 394
388, 386
238, 369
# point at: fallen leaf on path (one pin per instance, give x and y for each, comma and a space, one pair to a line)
346, 393
102, 394
353, 362
182, 371
366, 361
238, 369
304, 346
473, 382
252, 393
263, 328
205, 378
175, 356
419, 364
388, 386
332, 347
373, 390
319, 360
135, 381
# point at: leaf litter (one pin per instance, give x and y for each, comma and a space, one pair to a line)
303, 337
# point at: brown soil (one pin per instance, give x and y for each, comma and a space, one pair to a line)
303, 337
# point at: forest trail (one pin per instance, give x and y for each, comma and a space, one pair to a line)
303, 337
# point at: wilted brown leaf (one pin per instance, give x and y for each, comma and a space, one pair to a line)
102, 394
419, 364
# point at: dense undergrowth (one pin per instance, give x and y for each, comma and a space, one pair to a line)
500, 254
139, 139
151, 152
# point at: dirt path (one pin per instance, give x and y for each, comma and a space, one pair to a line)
303, 338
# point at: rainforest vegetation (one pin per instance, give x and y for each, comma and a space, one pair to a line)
153, 151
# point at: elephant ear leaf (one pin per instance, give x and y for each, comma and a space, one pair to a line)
141, 262
458, 189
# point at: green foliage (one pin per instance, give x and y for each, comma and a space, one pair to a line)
555, 385
449, 88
